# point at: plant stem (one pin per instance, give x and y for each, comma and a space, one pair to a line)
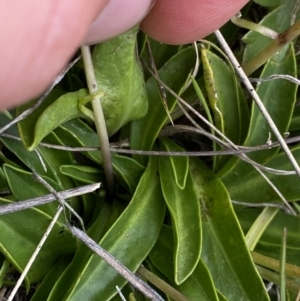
259, 226
161, 284
265, 31
275, 278
274, 264
99, 118
282, 265
274, 47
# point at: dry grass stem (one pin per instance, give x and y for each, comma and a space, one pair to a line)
115, 264
66, 194
257, 100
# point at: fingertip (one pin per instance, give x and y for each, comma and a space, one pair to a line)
38, 38
181, 22
117, 17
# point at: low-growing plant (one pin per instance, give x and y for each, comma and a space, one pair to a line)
198, 189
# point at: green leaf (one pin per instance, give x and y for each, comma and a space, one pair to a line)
3, 181
226, 99
131, 229
259, 226
269, 3
5, 264
270, 242
44, 289
252, 188
223, 250
174, 74
54, 158
30, 159
221, 296
4, 159
279, 97
200, 280
184, 208
89, 202
295, 122
84, 174
63, 109
128, 171
180, 165
26, 126
119, 76
28, 226
104, 216
198, 286
161, 53
20, 184
77, 133
208, 60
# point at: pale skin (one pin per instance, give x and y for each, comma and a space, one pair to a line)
38, 38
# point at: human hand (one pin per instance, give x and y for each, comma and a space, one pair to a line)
38, 38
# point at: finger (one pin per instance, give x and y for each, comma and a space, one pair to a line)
117, 17
184, 21
37, 39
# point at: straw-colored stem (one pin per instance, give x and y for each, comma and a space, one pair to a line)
274, 47
99, 118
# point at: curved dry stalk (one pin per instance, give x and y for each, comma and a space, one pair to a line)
287, 77
237, 151
195, 71
177, 129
